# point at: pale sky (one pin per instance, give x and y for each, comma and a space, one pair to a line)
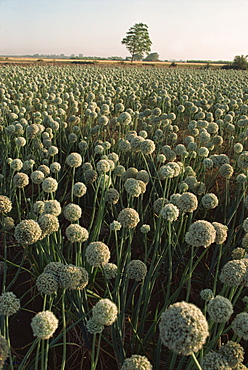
179, 29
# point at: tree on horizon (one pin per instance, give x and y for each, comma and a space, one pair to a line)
137, 40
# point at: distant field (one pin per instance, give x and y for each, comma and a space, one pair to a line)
26, 61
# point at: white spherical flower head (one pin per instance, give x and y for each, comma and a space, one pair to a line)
183, 187
83, 145
161, 158
49, 185
20, 141
214, 360
243, 160
191, 181
187, 202
115, 226
72, 137
72, 212
226, 171
233, 353
136, 143
176, 166
103, 166
124, 118
238, 253
4, 350
37, 177
132, 187
221, 232
165, 172
245, 225
94, 327
47, 283
76, 233
143, 175
240, 325
136, 270
124, 146
131, 172
112, 196
203, 152
74, 160
54, 269
114, 157
79, 189
99, 149
110, 270
72, 277
210, 201
5, 204
53, 150
169, 212
145, 229
183, 328
28, 164
48, 223
143, 134
52, 207
233, 273
16, 164
200, 234
136, 362
97, 254
27, 232
20, 180
9, 304
105, 312
220, 309
147, 146
8, 223
45, 169
158, 205
55, 167
241, 178
44, 324
238, 148
84, 279
38, 207
128, 218
207, 294
207, 163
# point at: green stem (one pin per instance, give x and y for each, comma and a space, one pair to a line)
23, 363
64, 331
8, 339
37, 356
196, 362
190, 273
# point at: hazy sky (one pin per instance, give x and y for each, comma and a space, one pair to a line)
179, 29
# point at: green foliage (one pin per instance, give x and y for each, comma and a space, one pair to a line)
240, 62
138, 56
137, 40
152, 57
207, 61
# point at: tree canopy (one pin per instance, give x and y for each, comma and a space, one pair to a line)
137, 40
240, 62
152, 57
